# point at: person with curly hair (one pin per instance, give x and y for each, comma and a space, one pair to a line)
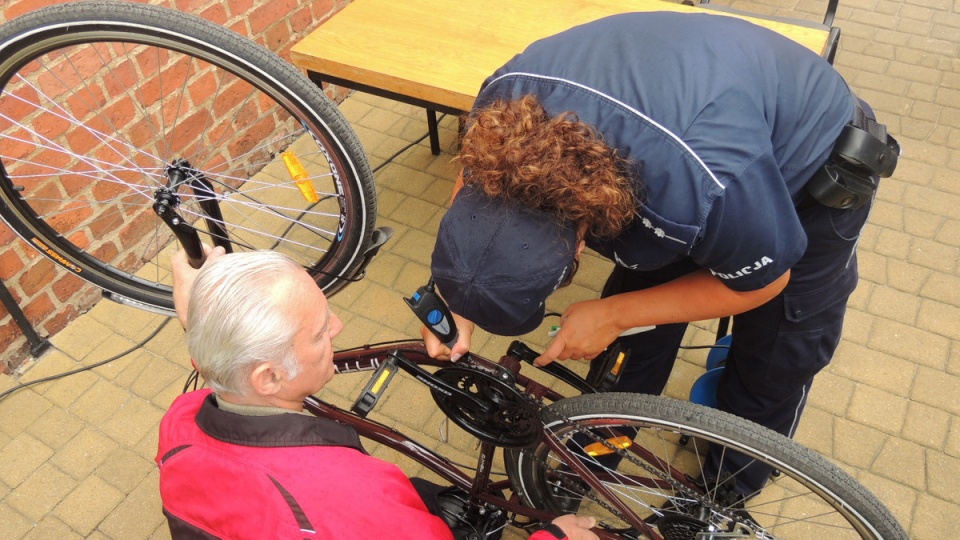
683, 148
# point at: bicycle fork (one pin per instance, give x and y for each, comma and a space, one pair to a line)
166, 200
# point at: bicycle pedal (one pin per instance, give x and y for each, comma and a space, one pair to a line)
375, 387
605, 373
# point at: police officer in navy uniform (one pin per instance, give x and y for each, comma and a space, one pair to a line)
686, 148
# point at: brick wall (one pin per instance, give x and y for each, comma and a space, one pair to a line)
49, 296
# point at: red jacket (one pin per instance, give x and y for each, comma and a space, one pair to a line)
283, 476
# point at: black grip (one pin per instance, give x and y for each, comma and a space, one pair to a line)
434, 314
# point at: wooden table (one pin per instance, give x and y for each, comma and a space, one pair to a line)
436, 53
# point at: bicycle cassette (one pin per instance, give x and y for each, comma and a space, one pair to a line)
512, 418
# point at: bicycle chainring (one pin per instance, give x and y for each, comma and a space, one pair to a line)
513, 418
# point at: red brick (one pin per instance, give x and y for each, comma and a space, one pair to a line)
107, 223
324, 9
47, 197
66, 287
18, 144
59, 321
119, 114
301, 20
268, 14
24, 105
190, 6
39, 275
10, 264
203, 87
133, 234
278, 39
38, 310
240, 8
215, 14
121, 79
9, 330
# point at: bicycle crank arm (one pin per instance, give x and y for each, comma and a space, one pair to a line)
382, 376
521, 351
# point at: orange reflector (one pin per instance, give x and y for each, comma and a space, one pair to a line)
599, 449
618, 364
299, 175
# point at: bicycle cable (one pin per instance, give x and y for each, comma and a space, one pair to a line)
21, 386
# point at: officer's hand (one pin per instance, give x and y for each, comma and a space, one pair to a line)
184, 276
440, 351
577, 527
586, 329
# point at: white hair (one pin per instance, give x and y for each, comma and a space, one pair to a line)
234, 322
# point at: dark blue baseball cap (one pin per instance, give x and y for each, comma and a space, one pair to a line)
496, 261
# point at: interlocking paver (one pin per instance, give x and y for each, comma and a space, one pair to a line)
134, 420
77, 453
856, 444
942, 474
41, 492
97, 404
87, 505
124, 469
84, 453
21, 456
934, 518
13, 523
903, 462
926, 425
874, 368
136, 515
55, 427
20, 411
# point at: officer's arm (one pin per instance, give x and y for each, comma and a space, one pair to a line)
588, 327
694, 297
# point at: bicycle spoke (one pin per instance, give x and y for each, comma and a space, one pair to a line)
677, 466
101, 122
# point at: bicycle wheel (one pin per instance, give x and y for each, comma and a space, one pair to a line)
109, 109
655, 477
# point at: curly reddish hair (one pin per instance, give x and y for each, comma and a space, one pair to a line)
560, 165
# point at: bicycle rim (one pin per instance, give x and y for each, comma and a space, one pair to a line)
107, 105
810, 499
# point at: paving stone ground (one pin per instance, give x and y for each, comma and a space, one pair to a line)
77, 453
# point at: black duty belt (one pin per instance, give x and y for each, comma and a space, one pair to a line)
863, 153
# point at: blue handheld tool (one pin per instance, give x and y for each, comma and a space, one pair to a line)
434, 313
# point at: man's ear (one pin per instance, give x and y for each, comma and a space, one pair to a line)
265, 380
580, 247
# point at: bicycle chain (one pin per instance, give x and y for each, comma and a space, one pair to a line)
540, 409
679, 487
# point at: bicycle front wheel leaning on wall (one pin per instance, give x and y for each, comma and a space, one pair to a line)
112, 113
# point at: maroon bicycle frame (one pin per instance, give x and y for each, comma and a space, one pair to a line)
479, 486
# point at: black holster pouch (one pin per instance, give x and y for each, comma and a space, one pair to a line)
864, 153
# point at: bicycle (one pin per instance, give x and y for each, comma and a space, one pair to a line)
556, 455
120, 120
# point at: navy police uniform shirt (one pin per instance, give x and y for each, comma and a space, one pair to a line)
723, 122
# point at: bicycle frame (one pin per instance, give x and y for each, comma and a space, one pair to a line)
479, 486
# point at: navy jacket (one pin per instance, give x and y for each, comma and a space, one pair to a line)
723, 121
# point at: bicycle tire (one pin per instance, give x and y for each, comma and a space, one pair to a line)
106, 104
810, 499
